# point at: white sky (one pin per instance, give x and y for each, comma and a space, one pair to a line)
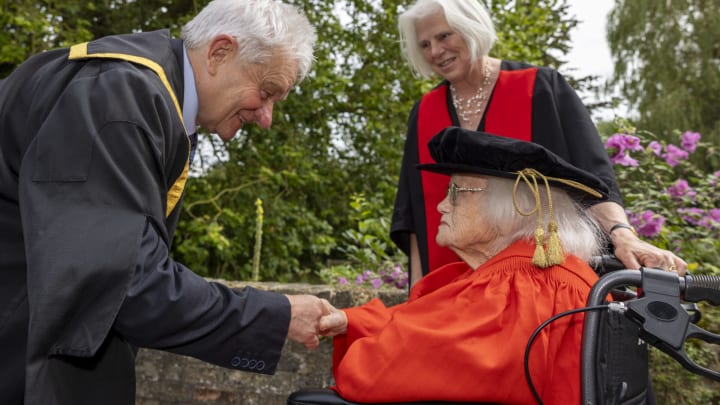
590, 53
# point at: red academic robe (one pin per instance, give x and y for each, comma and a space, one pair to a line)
462, 335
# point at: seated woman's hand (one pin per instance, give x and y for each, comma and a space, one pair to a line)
334, 322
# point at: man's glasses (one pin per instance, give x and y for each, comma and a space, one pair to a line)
453, 190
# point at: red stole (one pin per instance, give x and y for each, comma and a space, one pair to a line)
508, 114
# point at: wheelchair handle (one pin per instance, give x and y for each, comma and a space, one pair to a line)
693, 288
603, 264
702, 288
696, 288
663, 321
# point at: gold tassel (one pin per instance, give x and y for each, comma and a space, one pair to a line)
539, 259
555, 254
550, 254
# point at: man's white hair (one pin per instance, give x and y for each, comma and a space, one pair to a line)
263, 28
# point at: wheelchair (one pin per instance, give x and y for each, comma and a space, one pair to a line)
649, 306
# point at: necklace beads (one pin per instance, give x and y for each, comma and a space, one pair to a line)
468, 108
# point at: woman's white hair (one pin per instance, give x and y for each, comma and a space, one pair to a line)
263, 28
467, 17
579, 233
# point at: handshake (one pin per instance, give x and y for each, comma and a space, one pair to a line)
312, 317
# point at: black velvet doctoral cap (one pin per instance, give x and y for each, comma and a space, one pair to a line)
457, 150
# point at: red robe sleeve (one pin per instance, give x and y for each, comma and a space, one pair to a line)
465, 340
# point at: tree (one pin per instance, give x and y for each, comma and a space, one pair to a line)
667, 62
29, 27
337, 139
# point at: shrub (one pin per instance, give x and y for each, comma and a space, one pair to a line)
669, 199
670, 187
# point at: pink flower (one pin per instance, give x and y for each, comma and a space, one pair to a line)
681, 189
706, 222
648, 223
622, 144
714, 214
623, 159
632, 143
615, 141
690, 140
673, 155
691, 215
655, 147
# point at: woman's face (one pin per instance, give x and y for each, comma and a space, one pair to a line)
463, 227
444, 49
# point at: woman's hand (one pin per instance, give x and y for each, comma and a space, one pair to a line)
334, 322
634, 253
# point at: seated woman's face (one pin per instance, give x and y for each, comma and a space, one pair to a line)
463, 227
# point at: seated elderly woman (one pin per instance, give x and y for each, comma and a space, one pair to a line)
462, 334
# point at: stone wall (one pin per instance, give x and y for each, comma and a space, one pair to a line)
164, 378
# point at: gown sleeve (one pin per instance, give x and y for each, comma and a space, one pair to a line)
562, 124
168, 307
403, 223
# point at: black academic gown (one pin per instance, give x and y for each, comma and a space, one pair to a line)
93, 161
556, 118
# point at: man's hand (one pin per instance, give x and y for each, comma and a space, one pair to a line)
334, 322
305, 314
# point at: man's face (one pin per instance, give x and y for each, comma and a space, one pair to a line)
232, 93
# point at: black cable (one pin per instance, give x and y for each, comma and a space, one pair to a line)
526, 360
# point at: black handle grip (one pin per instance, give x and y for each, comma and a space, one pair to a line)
604, 264
702, 288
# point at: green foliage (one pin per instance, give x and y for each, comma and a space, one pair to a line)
666, 62
340, 134
292, 234
670, 200
29, 27
369, 244
533, 31
673, 203
675, 385
369, 253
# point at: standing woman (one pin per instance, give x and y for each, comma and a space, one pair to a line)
452, 39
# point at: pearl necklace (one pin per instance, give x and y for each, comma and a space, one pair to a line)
467, 109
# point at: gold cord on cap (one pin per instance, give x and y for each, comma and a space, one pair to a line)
547, 253
539, 257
